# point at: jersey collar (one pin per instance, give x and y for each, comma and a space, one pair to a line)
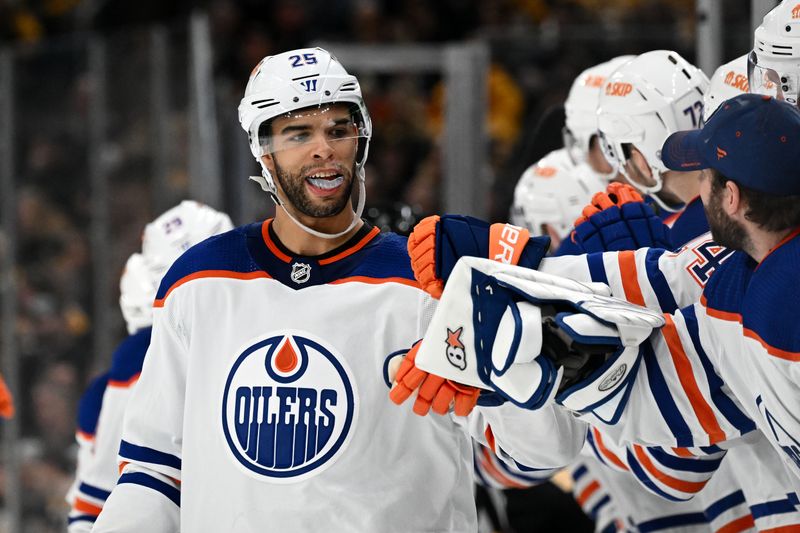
360, 239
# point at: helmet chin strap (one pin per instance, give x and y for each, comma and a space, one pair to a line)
268, 185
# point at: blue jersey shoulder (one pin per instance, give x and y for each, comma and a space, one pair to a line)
690, 224
129, 356
772, 302
726, 287
226, 251
90, 404
385, 257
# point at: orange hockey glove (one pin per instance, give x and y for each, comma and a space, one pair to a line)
435, 393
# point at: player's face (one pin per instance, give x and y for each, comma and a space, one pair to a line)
312, 157
725, 230
639, 170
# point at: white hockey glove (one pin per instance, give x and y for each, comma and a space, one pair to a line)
529, 336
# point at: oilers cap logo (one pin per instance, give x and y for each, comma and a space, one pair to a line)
289, 407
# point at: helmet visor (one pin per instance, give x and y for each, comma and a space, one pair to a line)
772, 79
333, 131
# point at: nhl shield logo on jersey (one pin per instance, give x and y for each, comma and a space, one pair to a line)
301, 272
289, 407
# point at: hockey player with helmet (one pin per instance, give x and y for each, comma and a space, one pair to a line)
102, 407
773, 66
739, 499
262, 392
671, 394
551, 192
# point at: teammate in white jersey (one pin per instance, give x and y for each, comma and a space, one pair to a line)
550, 193
262, 402
721, 367
103, 405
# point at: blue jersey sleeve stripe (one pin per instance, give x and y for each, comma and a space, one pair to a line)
143, 454
663, 397
532, 470
658, 282
597, 269
721, 401
593, 446
94, 492
579, 472
728, 502
666, 523
524, 473
610, 528
595, 510
640, 474
683, 464
140, 478
762, 510
81, 518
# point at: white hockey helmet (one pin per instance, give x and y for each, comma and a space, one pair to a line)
729, 80
580, 108
554, 194
298, 80
774, 63
137, 290
644, 101
177, 230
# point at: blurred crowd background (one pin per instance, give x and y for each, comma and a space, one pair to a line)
537, 47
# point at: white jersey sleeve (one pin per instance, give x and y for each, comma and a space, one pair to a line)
656, 278
150, 483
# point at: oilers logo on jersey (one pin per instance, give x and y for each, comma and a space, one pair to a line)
289, 407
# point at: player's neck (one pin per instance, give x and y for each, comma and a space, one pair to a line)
685, 186
301, 242
762, 242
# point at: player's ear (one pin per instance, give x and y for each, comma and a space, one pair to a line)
732, 199
269, 162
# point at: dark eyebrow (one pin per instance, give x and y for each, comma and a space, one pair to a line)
304, 127
295, 127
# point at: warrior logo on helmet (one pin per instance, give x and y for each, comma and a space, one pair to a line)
289, 407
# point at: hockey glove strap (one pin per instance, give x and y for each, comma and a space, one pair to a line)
618, 219
437, 243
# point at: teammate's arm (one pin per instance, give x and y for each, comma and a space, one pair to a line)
147, 495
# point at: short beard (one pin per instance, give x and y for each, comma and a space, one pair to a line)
724, 230
293, 186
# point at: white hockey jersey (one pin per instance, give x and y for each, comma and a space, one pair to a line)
98, 470
262, 404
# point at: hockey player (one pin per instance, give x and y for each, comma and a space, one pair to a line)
551, 192
749, 150
261, 402
774, 63
103, 405
679, 399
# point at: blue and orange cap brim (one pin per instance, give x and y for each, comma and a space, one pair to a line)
681, 152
